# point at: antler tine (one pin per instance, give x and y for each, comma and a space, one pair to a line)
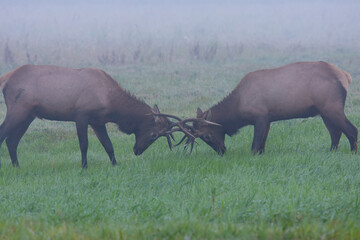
167, 115
181, 128
182, 139
172, 136
173, 130
178, 124
202, 121
169, 142
190, 141
192, 145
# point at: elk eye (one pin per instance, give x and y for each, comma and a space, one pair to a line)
207, 137
154, 136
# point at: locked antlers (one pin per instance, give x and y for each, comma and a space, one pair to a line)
181, 126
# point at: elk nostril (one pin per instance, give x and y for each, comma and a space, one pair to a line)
221, 151
136, 152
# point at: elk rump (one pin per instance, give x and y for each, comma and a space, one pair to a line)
297, 90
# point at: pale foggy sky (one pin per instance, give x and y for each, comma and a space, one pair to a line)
275, 22
79, 30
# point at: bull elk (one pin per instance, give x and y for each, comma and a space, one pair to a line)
298, 90
85, 96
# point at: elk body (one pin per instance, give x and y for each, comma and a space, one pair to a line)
298, 90
84, 96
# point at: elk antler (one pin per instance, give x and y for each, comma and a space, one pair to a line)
179, 128
191, 139
201, 120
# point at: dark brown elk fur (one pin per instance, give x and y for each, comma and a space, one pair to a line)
298, 90
84, 96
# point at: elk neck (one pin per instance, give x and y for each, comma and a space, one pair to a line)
227, 114
130, 112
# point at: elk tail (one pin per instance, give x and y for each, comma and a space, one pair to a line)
348, 76
345, 79
5, 78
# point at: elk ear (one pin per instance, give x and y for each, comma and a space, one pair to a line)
208, 115
156, 111
199, 113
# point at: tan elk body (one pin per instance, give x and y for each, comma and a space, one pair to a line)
86, 96
297, 90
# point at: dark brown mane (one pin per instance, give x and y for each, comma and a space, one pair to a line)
132, 96
225, 101
127, 93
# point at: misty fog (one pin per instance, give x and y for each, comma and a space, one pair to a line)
93, 33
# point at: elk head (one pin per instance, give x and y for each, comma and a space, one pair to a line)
154, 126
211, 133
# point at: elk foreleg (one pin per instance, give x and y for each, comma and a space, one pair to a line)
81, 129
102, 135
261, 129
262, 147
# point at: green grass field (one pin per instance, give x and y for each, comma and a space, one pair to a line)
297, 190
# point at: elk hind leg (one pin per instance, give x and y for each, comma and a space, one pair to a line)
13, 120
351, 133
13, 139
102, 135
339, 120
335, 133
5, 128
